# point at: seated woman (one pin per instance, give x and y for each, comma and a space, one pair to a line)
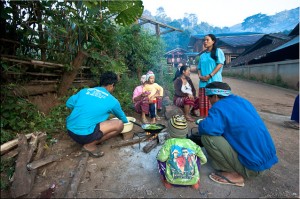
140, 100
185, 94
155, 95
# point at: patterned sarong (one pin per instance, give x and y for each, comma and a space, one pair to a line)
204, 103
181, 101
143, 105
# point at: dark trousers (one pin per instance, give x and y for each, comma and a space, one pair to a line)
152, 110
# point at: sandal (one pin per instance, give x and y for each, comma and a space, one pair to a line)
227, 181
96, 153
291, 124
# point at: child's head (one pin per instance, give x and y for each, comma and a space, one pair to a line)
150, 77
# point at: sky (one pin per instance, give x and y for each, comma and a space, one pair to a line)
219, 13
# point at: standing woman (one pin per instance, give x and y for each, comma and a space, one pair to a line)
209, 70
185, 94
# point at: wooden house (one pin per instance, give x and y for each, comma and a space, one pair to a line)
232, 44
271, 48
176, 56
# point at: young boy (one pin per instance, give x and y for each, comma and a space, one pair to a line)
155, 96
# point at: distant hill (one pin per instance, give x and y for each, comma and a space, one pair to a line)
280, 22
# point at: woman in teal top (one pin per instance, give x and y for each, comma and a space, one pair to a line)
209, 70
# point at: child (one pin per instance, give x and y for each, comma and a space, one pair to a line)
155, 96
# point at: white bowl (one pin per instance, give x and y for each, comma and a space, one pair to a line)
127, 126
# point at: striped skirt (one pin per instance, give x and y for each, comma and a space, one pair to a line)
143, 105
181, 101
203, 103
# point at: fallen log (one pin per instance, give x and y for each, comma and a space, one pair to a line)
130, 142
150, 145
79, 172
21, 175
11, 144
51, 158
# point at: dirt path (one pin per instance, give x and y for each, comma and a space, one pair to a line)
129, 172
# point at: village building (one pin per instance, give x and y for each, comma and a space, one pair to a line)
232, 44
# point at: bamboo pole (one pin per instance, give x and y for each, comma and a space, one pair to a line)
11, 144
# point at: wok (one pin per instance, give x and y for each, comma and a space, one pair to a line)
147, 127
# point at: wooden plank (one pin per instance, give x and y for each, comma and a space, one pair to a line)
21, 175
48, 159
11, 144
79, 172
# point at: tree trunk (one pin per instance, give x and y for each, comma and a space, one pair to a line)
69, 76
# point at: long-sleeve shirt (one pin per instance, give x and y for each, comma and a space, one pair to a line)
178, 85
153, 88
91, 106
236, 119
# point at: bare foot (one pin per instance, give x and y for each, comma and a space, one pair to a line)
153, 120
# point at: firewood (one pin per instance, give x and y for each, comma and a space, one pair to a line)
150, 145
11, 144
129, 142
51, 158
79, 172
21, 175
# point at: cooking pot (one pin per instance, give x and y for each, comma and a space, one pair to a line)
151, 128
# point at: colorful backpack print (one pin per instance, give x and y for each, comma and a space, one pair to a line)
181, 156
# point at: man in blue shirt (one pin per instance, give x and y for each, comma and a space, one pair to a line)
235, 137
87, 124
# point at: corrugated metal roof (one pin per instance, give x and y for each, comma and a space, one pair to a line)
219, 35
233, 39
192, 53
176, 50
245, 40
287, 44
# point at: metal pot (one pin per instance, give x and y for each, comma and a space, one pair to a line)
146, 128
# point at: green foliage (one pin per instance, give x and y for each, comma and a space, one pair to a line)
7, 169
18, 115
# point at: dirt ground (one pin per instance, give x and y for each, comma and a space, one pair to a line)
128, 172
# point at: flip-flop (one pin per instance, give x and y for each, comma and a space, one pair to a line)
228, 182
291, 124
96, 153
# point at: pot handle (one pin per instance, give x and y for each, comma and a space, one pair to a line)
136, 124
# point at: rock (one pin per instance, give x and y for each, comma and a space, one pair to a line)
172, 110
